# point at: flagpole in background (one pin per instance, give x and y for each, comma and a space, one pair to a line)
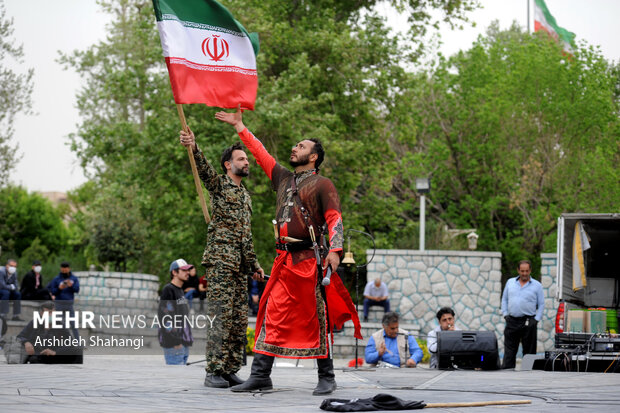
192, 162
529, 28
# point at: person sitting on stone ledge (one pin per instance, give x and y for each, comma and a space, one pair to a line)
393, 345
47, 344
32, 284
446, 318
9, 290
375, 294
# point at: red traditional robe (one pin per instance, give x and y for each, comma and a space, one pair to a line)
292, 319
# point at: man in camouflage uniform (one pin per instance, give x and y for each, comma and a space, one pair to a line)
228, 257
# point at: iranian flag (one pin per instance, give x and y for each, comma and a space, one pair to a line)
544, 21
211, 58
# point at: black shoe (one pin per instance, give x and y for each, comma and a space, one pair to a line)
259, 376
325, 386
217, 381
16, 318
327, 378
232, 379
253, 384
365, 319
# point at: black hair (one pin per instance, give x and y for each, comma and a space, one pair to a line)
389, 318
65, 264
320, 152
444, 310
528, 262
227, 154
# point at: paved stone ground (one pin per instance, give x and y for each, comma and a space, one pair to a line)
145, 384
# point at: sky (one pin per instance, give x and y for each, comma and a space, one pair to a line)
45, 27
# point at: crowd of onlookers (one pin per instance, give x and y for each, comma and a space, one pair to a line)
57, 294
522, 306
63, 287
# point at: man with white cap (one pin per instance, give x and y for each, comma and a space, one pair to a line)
175, 333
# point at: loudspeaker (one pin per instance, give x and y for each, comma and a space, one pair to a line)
467, 350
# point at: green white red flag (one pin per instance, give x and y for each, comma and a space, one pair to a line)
544, 21
211, 58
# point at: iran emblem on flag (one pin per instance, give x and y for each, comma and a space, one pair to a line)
211, 58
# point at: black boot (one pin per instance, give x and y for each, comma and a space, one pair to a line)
216, 380
327, 378
232, 379
259, 377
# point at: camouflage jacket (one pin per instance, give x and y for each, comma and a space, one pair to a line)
229, 237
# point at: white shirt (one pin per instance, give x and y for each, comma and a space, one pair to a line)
431, 344
372, 290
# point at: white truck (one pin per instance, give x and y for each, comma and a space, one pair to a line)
596, 256
601, 262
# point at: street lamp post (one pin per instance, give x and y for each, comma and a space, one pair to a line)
423, 186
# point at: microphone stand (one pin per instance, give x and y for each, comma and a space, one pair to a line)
357, 267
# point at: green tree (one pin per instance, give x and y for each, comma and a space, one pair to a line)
116, 228
514, 133
15, 92
328, 69
27, 219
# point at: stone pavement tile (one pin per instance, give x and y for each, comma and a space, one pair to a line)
66, 393
33, 392
99, 393
147, 385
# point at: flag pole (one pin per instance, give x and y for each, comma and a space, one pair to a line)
529, 30
192, 162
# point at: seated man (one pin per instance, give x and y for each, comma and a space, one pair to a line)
445, 315
47, 344
375, 293
393, 345
9, 290
32, 284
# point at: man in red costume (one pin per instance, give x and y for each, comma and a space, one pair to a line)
296, 314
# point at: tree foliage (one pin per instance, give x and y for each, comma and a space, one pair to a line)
514, 133
325, 71
117, 230
28, 219
15, 92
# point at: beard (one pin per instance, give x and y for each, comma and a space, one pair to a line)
242, 172
301, 161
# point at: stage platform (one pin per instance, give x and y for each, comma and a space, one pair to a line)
146, 384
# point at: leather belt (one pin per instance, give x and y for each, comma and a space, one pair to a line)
294, 246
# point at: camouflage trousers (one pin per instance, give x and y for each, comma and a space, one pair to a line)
227, 298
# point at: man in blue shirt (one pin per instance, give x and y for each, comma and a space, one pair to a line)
523, 303
393, 345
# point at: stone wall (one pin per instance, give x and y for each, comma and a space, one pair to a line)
133, 293
548, 272
420, 282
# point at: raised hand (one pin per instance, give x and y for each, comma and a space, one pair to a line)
234, 118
